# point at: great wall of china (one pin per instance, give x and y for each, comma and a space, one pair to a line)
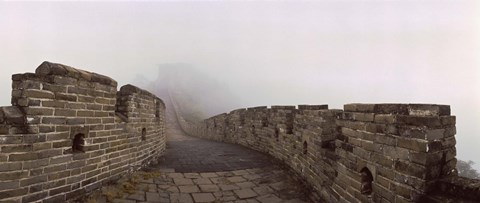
69, 132
363, 153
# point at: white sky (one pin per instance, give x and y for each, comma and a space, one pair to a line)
332, 52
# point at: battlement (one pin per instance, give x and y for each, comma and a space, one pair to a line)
70, 131
363, 153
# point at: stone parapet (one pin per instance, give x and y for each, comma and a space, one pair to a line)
66, 134
364, 153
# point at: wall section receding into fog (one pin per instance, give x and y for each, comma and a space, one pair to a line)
267, 52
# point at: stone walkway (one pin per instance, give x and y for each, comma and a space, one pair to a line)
196, 170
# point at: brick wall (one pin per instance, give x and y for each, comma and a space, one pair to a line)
69, 131
364, 153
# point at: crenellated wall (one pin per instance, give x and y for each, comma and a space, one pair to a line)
364, 153
70, 131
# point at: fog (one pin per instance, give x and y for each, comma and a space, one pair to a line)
264, 53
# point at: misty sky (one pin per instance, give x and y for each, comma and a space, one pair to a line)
326, 52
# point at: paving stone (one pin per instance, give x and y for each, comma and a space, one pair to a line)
252, 201
228, 187
228, 198
294, 201
180, 198
263, 190
164, 194
218, 194
163, 187
123, 201
209, 188
147, 187
192, 175
225, 174
278, 186
245, 193
152, 197
236, 179
246, 185
271, 198
182, 181
203, 197
138, 195
251, 176
173, 189
217, 180
240, 172
208, 175
202, 181
164, 181
175, 175
254, 170
188, 189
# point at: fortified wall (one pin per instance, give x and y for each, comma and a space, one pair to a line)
70, 131
363, 153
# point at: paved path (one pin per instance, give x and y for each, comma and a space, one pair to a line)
197, 170
189, 154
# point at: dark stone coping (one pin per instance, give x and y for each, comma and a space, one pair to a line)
313, 107
12, 115
400, 109
130, 89
49, 68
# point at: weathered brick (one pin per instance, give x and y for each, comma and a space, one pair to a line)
35, 163
75, 193
58, 175
54, 88
385, 118
8, 185
64, 80
75, 121
23, 156
101, 114
76, 106
65, 112
13, 193
55, 168
16, 175
61, 159
86, 99
411, 169
55, 199
54, 104
85, 113
16, 148
391, 109
428, 110
35, 197
428, 121
49, 153
59, 190
58, 136
53, 120
65, 97
10, 166
359, 108
42, 94
413, 144
42, 146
